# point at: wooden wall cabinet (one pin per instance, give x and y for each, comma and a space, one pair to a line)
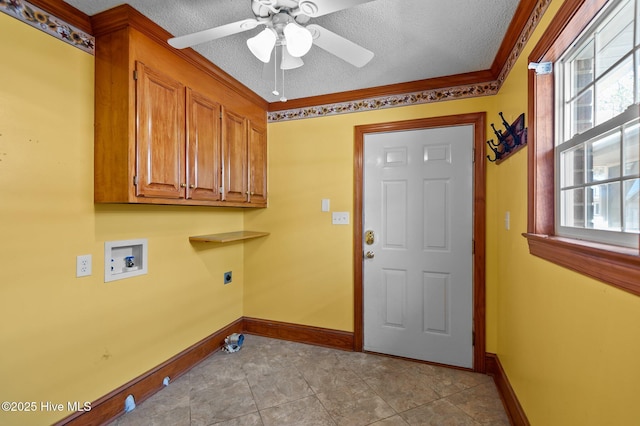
244, 152
160, 141
257, 145
171, 128
204, 161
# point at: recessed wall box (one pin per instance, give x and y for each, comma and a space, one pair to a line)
124, 259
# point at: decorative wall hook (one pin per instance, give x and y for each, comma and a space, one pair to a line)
510, 140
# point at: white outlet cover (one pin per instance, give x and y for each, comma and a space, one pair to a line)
83, 265
340, 218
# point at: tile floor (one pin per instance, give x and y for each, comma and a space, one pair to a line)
275, 382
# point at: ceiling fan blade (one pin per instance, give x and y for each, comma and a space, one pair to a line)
315, 8
192, 39
339, 46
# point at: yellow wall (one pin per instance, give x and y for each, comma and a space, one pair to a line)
64, 338
570, 345
303, 272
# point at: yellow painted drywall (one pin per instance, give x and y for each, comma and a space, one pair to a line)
570, 345
303, 272
64, 338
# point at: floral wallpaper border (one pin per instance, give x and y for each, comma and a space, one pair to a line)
423, 97
405, 99
42, 20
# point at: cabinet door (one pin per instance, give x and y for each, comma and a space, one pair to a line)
203, 147
257, 164
160, 141
234, 154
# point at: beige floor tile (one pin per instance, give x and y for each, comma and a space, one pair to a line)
307, 411
391, 421
216, 403
277, 386
402, 390
438, 413
252, 419
482, 403
273, 382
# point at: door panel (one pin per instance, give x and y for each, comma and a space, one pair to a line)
436, 298
418, 286
395, 214
395, 286
436, 232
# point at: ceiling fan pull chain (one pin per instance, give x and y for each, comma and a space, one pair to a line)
275, 72
283, 98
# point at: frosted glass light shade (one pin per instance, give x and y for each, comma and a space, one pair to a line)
299, 39
289, 62
262, 44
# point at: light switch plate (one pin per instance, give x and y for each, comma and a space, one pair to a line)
340, 218
326, 205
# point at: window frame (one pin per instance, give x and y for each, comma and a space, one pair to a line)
572, 138
614, 265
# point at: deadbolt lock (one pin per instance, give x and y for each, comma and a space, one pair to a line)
369, 237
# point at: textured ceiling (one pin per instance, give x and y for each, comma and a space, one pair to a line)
411, 39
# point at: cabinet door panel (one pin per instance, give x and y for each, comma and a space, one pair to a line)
160, 135
257, 165
234, 147
203, 147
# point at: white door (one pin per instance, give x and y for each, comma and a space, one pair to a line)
418, 270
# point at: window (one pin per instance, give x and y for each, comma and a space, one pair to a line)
583, 151
597, 176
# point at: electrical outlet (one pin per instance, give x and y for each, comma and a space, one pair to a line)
83, 265
228, 277
340, 218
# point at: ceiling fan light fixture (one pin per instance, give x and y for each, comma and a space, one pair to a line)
262, 45
299, 39
289, 62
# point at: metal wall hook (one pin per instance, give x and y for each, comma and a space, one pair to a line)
509, 140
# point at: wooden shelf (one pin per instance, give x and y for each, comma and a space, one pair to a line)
228, 237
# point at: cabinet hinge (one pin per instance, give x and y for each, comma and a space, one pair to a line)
473, 246
135, 74
473, 338
473, 155
135, 180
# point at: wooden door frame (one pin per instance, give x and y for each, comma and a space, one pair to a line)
479, 221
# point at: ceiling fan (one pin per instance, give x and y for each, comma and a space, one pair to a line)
286, 24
